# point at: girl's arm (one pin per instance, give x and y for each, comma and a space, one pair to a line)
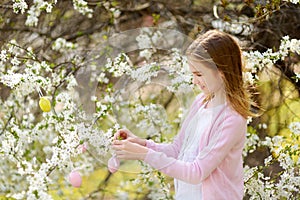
170, 150
230, 134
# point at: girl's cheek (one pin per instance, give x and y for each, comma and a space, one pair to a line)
203, 81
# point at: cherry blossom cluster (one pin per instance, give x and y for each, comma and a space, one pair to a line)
285, 152
256, 61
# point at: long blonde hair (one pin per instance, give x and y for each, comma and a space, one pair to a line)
226, 55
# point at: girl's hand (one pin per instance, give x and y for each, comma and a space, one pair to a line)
123, 134
127, 150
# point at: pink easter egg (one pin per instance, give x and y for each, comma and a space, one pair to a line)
82, 147
75, 179
113, 164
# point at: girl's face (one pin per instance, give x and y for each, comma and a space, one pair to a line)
206, 77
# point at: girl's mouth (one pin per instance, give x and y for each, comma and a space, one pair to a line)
202, 87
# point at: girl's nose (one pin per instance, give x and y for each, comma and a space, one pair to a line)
195, 80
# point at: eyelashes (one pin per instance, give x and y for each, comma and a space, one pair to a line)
198, 75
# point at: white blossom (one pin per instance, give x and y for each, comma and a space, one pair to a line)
297, 77
3, 55
19, 6
119, 66
93, 98
116, 13
145, 72
146, 53
71, 82
248, 77
293, 1
82, 7
251, 144
256, 61
24, 83
295, 127
15, 61
144, 41
61, 44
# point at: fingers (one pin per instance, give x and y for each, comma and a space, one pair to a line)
120, 150
126, 155
121, 144
118, 145
128, 149
133, 140
118, 142
120, 153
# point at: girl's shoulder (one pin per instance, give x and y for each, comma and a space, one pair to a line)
231, 115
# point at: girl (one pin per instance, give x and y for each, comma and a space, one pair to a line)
205, 158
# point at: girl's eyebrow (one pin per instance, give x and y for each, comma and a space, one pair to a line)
197, 72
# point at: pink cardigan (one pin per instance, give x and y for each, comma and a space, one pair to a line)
218, 165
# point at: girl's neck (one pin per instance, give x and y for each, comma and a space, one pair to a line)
218, 98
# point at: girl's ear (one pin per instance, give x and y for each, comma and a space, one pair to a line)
222, 77
221, 74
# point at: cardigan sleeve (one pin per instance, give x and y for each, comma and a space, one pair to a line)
173, 149
229, 134
170, 150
